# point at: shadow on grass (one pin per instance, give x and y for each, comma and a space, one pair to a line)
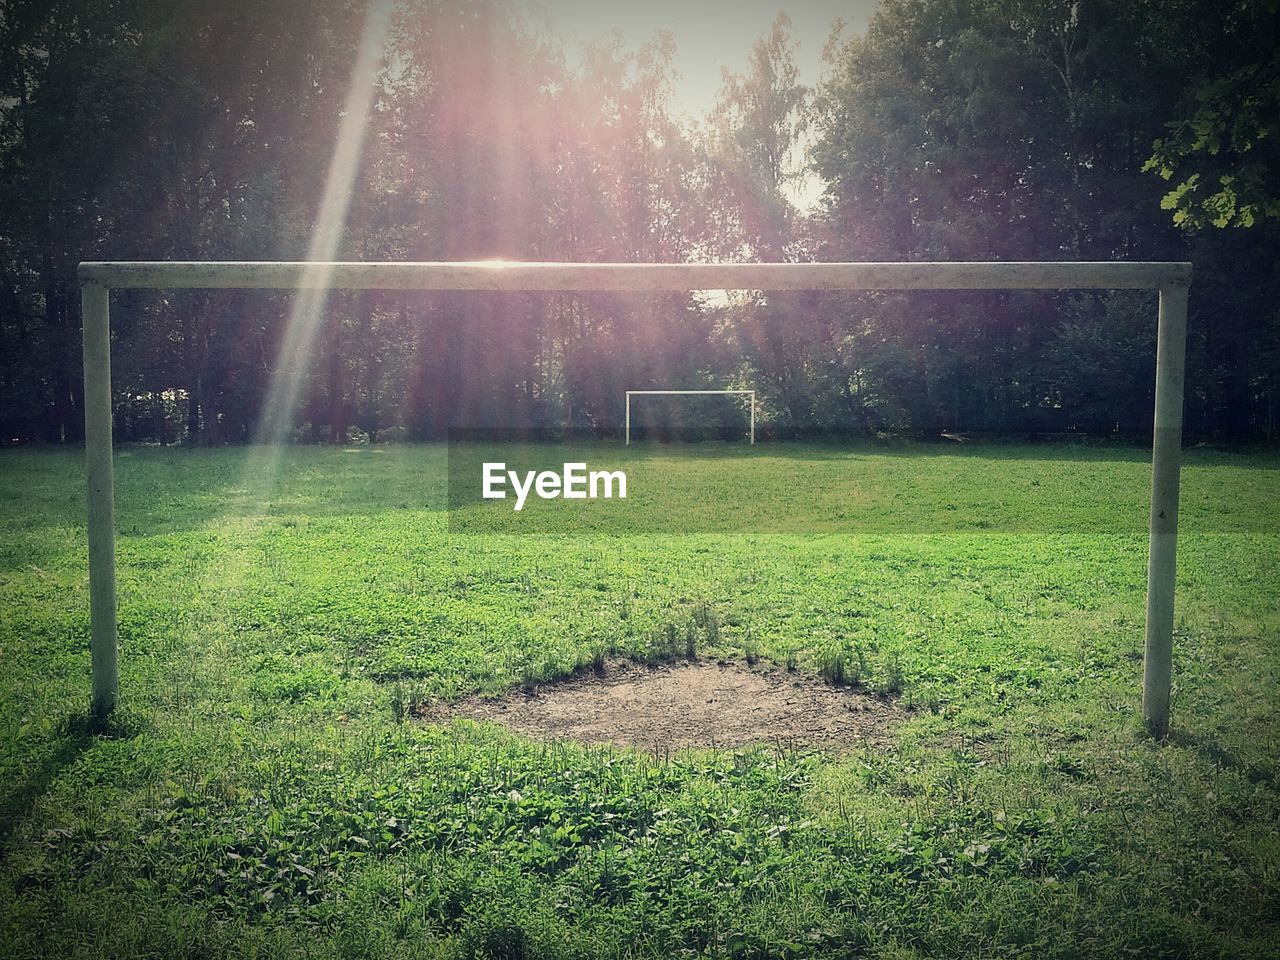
174, 491
1210, 749
74, 736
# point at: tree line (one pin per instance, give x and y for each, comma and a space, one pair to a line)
949, 130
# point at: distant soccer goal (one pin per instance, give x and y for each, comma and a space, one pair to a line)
682, 393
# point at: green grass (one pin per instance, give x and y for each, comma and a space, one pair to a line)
261, 793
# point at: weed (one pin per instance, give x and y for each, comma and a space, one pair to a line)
399, 703
833, 668
893, 675
706, 619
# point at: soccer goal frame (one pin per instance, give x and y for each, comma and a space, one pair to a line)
1172, 280
684, 393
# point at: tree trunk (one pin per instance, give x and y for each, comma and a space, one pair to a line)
337, 387
194, 380
65, 425
372, 367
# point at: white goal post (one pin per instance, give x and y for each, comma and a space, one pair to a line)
1172, 280
683, 393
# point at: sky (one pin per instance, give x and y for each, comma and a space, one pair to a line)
709, 34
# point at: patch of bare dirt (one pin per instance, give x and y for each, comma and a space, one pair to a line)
700, 704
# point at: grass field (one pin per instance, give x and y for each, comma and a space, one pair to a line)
262, 791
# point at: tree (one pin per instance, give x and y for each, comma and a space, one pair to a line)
158, 130
755, 140
1224, 153
1018, 130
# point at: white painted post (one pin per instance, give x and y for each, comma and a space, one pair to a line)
96, 318
628, 443
753, 416
1166, 455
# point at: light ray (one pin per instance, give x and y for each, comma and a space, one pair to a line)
307, 314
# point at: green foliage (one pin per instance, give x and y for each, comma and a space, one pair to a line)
1225, 153
1018, 130
1009, 130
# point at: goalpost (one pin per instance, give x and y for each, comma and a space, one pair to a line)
1172, 280
683, 393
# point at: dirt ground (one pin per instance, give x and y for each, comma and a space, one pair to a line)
700, 704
